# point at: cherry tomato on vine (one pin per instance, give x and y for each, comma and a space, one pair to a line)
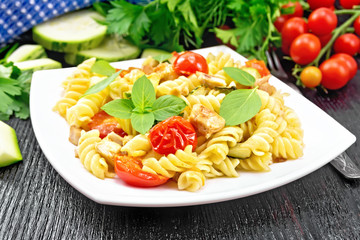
325, 39
280, 21
349, 4
291, 29
259, 65
357, 26
305, 48
314, 4
335, 74
347, 43
350, 62
190, 62
298, 10
322, 21
172, 134
105, 124
311, 76
129, 170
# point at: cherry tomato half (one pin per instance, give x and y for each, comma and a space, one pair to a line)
259, 65
298, 10
190, 62
347, 43
314, 4
350, 62
129, 170
322, 21
305, 48
357, 26
311, 76
291, 29
335, 74
172, 134
105, 124
349, 4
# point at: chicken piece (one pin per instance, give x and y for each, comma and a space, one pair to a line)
210, 80
264, 85
206, 121
75, 134
167, 72
108, 149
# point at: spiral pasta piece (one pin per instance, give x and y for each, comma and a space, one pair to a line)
191, 180
92, 160
125, 124
209, 101
287, 148
180, 86
269, 102
228, 167
137, 146
256, 163
169, 165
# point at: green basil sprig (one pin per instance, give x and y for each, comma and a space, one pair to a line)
240, 105
143, 108
103, 67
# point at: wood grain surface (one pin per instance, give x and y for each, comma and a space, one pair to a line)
36, 203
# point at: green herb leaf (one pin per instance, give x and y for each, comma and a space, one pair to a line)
167, 106
240, 76
143, 93
239, 106
163, 57
101, 85
103, 68
142, 122
119, 108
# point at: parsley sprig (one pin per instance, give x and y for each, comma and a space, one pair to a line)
143, 108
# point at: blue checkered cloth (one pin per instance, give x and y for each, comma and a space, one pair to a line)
18, 16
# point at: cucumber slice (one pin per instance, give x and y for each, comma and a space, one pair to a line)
9, 147
71, 32
255, 73
152, 52
27, 52
111, 50
38, 64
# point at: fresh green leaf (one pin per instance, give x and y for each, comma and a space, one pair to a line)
101, 85
227, 36
119, 108
5, 101
142, 122
240, 76
140, 27
163, 57
167, 106
239, 106
10, 86
103, 68
143, 93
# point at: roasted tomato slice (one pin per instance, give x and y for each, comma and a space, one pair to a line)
188, 63
105, 124
129, 170
172, 134
258, 65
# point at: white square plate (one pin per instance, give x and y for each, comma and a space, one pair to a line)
324, 139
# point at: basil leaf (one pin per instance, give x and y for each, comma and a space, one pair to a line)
119, 108
101, 85
239, 106
167, 106
142, 122
163, 57
240, 76
143, 93
103, 68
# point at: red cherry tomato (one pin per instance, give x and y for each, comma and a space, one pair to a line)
172, 134
190, 62
280, 21
305, 48
129, 170
335, 74
357, 26
322, 21
314, 4
292, 28
349, 4
347, 43
350, 62
105, 124
259, 65
325, 39
298, 10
